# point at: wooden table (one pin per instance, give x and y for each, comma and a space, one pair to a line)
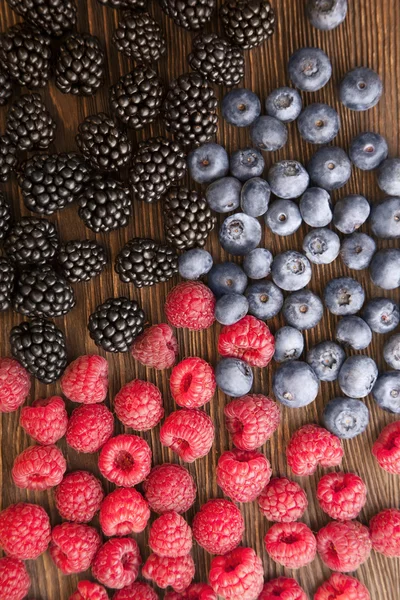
368, 37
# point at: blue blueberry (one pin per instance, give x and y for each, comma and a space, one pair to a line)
326, 359
318, 123
234, 376
265, 299
283, 217
194, 263
315, 207
284, 104
389, 176
353, 332
357, 376
268, 134
288, 179
303, 309
229, 309
391, 352
246, 163
295, 384
254, 197
310, 69
344, 296
360, 89
357, 250
223, 195
350, 213
226, 278
368, 150
346, 417
386, 391
241, 107
385, 268
291, 271
239, 234
381, 314
385, 219
329, 168
257, 263
289, 344
326, 14
321, 246
208, 163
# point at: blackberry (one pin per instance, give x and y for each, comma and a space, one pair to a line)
102, 143
116, 323
190, 14
144, 262
7, 275
80, 65
105, 204
8, 158
32, 241
218, 60
190, 109
187, 218
135, 4
139, 37
248, 22
81, 260
158, 164
5, 216
29, 124
55, 17
5, 88
40, 347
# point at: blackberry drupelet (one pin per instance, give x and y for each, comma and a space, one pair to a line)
116, 323
144, 262
139, 37
102, 143
32, 241
7, 276
190, 14
105, 204
134, 4
54, 18
158, 164
80, 65
5, 88
40, 347
217, 59
29, 123
5, 216
248, 22
81, 260
187, 218
8, 158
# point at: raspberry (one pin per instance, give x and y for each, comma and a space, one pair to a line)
249, 339
45, 420
282, 500
196, 591
25, 530
344, 546
117, 563
73, 547
89, 427
251, 420
89, 591
385, 532
156, 347
189, 433
78, 496
341, 495
136, 591
312, 445
284, 588
169, 487
14, 579
387, 448
125, 460
342, 587
124, 511
238, 574
190, 304
243, 475
39, 468
174, 572
15, 384
192, 382
139, 405
85, 380
292, 545
218, 526
170, 536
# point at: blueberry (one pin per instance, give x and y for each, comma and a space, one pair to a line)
321, 246
344, 296
239, 234
346, 417
291, 271
295, 384
391, 352
318, 123
386, 391
234, 376
330, 168
309, 69
326, 14
385, 268
268, 134
368, 150
357, 250
385, 219
303, 309
265, 300
284, 104
223, 195
231, 308
226, 278
389, 176
289, 344
208, 163
353, 332
241, 107
194, 263
257, 263
360, 89
246, 163
288, 179
326, 359
357, 376
283, 217
381, 314
254, 197
315, 207
350, 213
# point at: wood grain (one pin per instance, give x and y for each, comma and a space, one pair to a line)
368, 37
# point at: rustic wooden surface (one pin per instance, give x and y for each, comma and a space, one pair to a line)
368, 37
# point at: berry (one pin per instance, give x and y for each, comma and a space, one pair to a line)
242, 475
241, 107
251, 420
353, 332
309, 69
357, 376
386, 449
89, 427
81, 260
388, 176
144, 262
14, 579
5, 209
284, 588
73, 547
268, 134
135, 4
116, 323
217, 59
45, 420
326, 359
283, 217
318, 123
156, 347
86, 590
321, 246
341, 495
385, 532
282, 500
7, 278
208, 163
117, 563
175, 572
303, 309
85, 380
170, 536
350, 213
192, 383
29, 124
125, 460
248, 25
289, 344
194, 263
344, 296
102, 143
231, 308
139, 405
195, 591
368, 150
189, 433
136, 591
226, 278
384, 268
188, 219
315, 207
254, 197
8, 159
234, 377
257, 263
386, 391
292, 545
357, 250
80, 65
239, 234
360, 89
6, 90
139, 37
295, 384
223, 195
122, 512
14, 385
250, 340
265, 299
105, 204
191, 16
284, 104
54, 19
78, 496
169, 487
291, 270
326, 16
311, 446
39, 468
391, 352
338, 585
329, 168
218, 526
25, 530
385, 219
190, 304
344, 546
246, 163
237, 574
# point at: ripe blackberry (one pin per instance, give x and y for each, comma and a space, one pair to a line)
32, 241
139, 37
134, 4
248, 22
158, 164
218, 60
40, 347
144, 262
8, 158
187, 218
5, 216
29, 123
5, 88
80, 65
190, 14
116, 323
105, 204
81, 260
102, 143
54, 18
7, 276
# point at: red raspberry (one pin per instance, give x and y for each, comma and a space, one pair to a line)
125, 460
192, 382
249, 339
73, 547
174, 572
292, 545
238, 574
196, 591
385, 532
284, 588
25, 530
14, 579
46, 420
189, 433
15, 384
311, 446
282, 500
344, 546
78, 496
89, 591
124, 511
243, 475
341, 495
39, 468
387, 448
139, 405
218, 526
156, 347
170, 536
342, 587
251, 420
85, 380
89, 428
136, 591
169, 487
116, 564
190, 304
